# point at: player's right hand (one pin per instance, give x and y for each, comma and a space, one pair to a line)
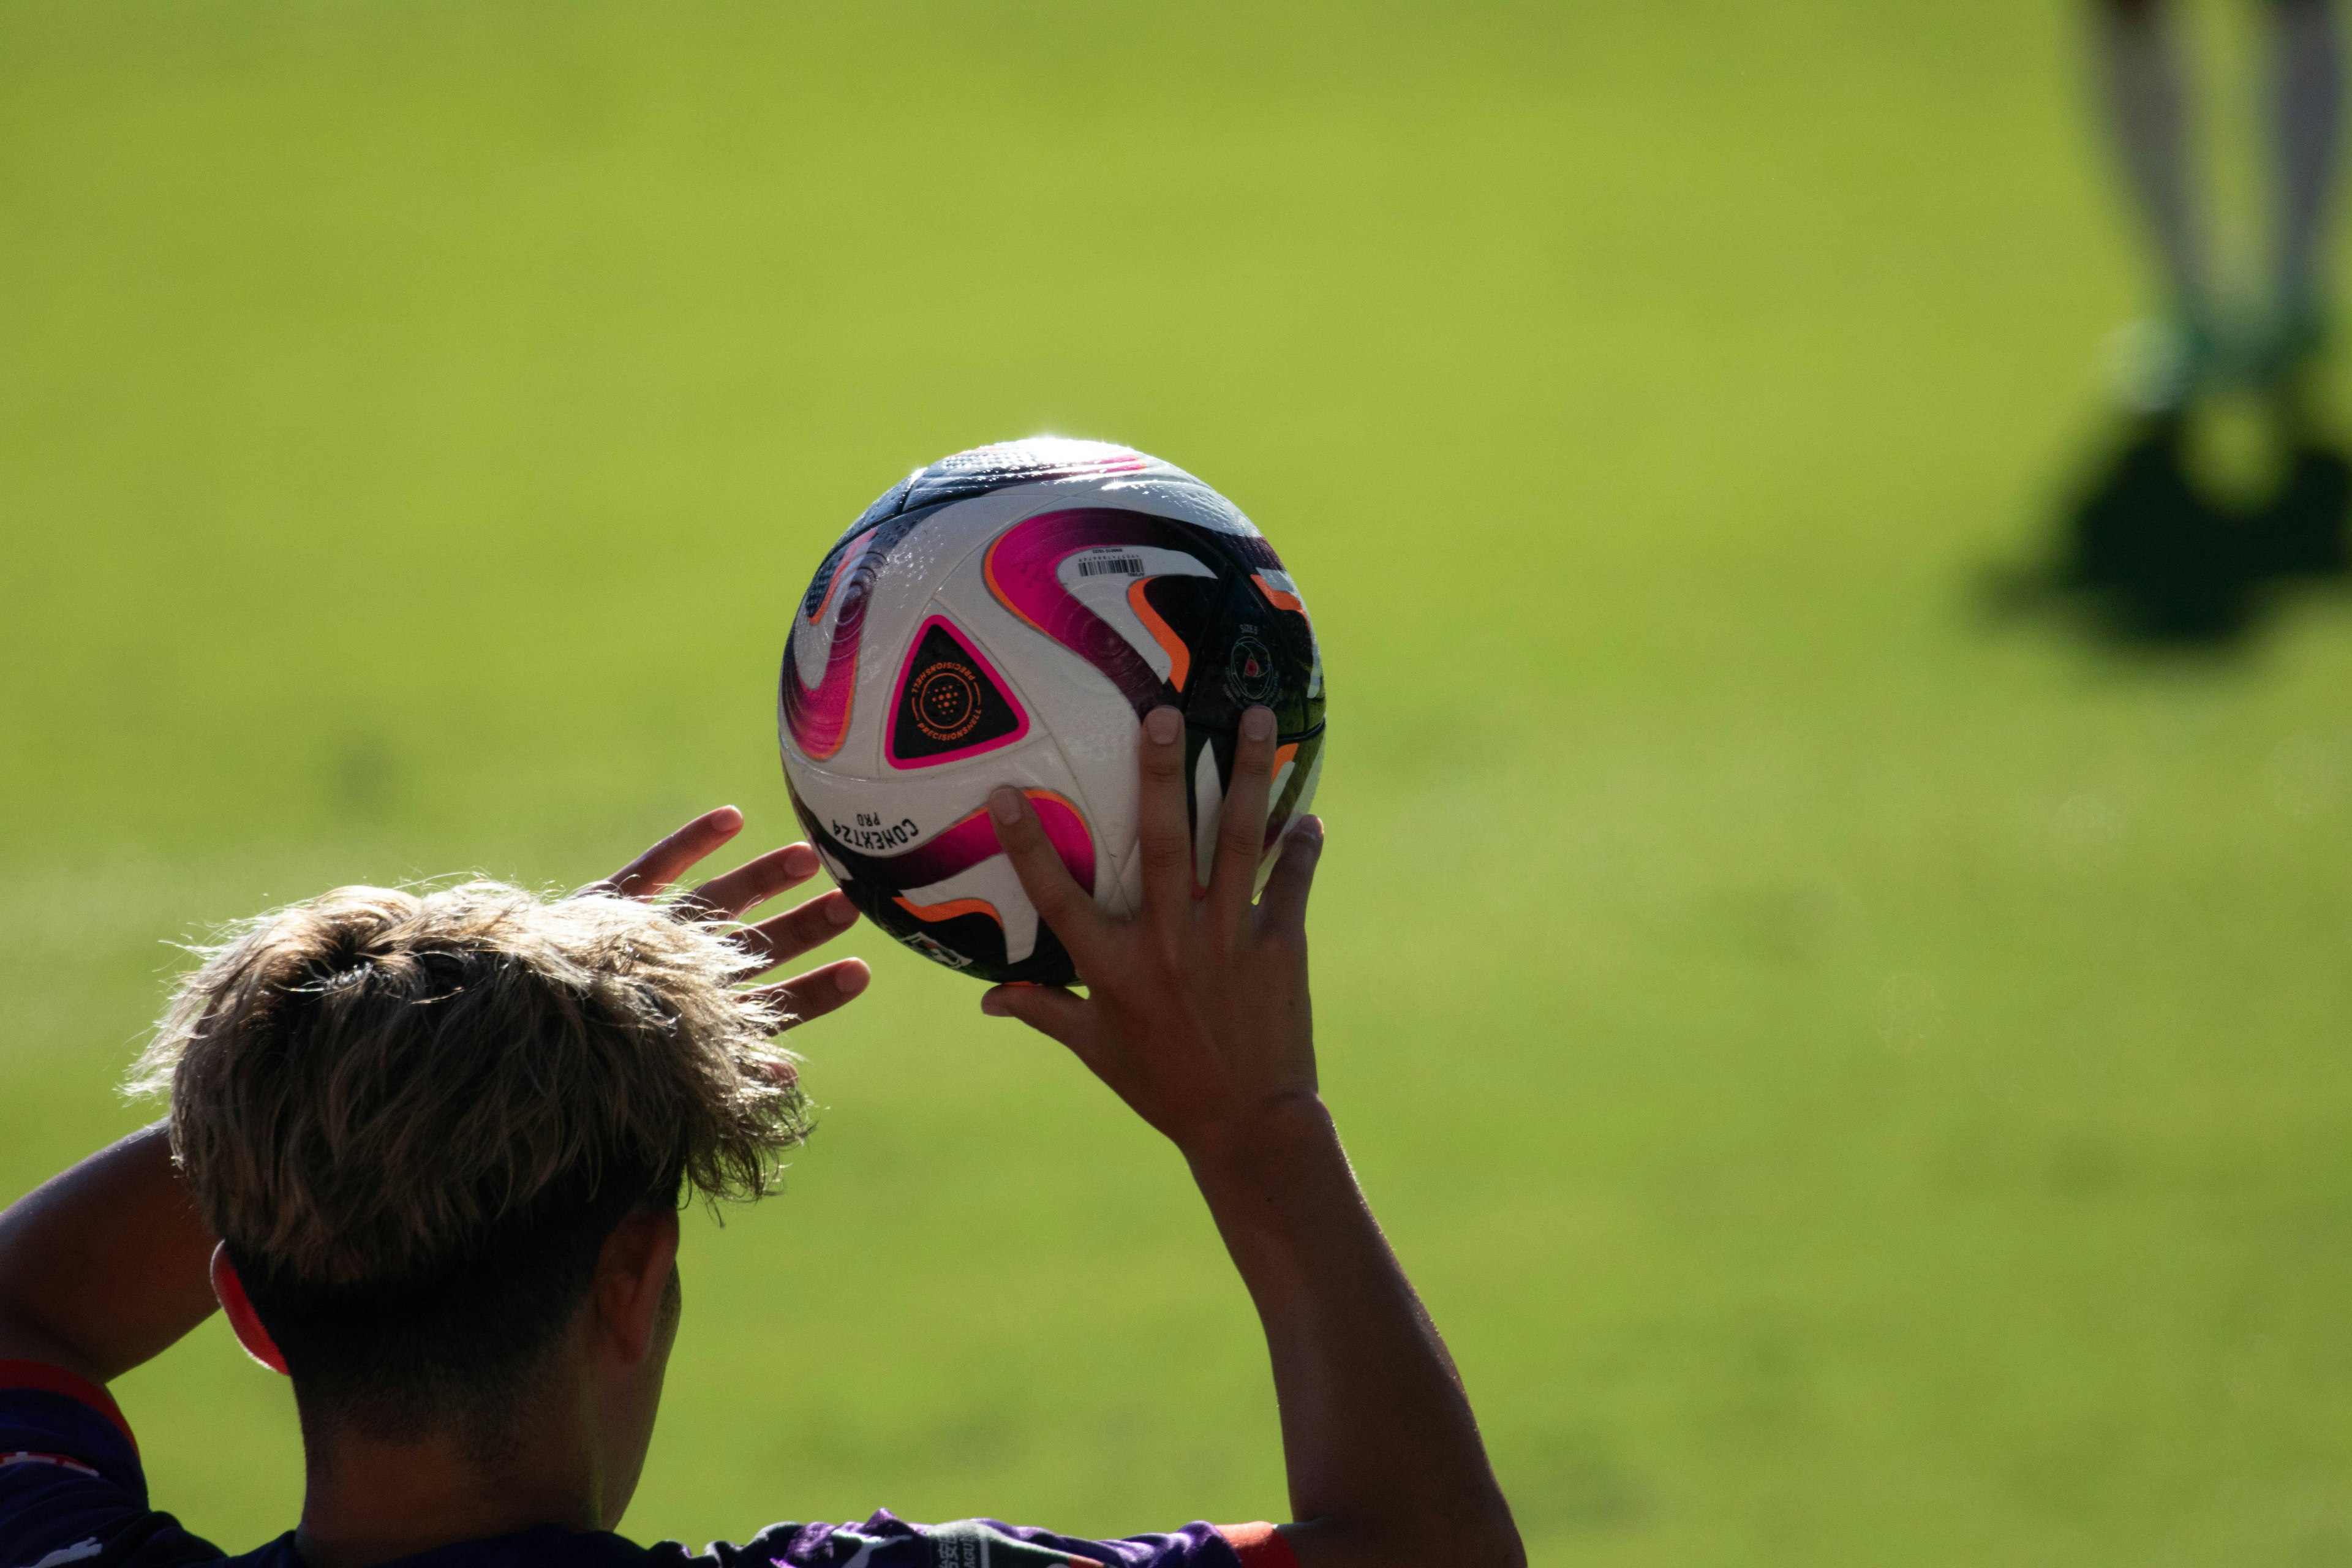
1197, 1013
768, 943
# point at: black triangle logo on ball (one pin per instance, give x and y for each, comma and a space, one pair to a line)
951, 702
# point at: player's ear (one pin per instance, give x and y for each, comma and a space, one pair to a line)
241, 1318
633, 1276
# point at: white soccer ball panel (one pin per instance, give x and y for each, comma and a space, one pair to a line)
889, 816
1104, 578
1088, 721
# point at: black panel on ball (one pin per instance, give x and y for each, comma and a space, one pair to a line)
948, 703
1254, 653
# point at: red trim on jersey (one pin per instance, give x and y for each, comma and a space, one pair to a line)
50, 1378
1258, 1545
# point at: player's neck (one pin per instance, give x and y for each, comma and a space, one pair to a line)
368, 1501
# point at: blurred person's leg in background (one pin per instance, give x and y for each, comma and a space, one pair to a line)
2305, 98
2146, 99
2221, 480
2146, 104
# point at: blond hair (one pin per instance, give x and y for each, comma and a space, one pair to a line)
366, 1086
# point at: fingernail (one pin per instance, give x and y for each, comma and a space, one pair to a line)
1310, 832
1003, 804
727, 817
840, 910
1257, 724
849, 981
800, 860
1164, 725
992, 1005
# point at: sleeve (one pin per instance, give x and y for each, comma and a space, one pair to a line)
71, 1489
885, 1540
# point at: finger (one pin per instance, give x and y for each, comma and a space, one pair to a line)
1284, 908
1241, 827
1164, 822
1061, 903
1048, 1009
815, 994
668, 860
752, 884
781, 938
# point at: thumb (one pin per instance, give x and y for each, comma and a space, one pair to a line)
1048, 1009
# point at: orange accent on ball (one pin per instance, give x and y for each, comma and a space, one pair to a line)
1180, 657
1277, 597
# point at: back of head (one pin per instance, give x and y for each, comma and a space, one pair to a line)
414, 1117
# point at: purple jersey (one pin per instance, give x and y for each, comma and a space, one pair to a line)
73, 1494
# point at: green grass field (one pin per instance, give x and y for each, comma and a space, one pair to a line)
1856, 1084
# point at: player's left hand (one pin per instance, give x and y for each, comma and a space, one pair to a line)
775, 940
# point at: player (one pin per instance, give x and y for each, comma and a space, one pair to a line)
2147, 102
428, 1151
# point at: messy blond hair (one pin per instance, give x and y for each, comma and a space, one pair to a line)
386, 1101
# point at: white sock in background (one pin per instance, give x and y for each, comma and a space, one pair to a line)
2306, 93
2147, 112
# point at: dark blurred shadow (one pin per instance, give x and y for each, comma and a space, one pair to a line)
2148, 553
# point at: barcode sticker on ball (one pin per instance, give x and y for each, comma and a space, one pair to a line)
1110, 566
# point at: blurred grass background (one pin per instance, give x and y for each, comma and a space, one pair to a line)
1854, 1084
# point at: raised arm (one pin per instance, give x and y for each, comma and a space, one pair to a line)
1197, 1015
110, 1264
105, 1266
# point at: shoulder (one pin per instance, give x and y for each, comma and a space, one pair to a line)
72, 1494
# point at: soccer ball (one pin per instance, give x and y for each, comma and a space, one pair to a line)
1008, 615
